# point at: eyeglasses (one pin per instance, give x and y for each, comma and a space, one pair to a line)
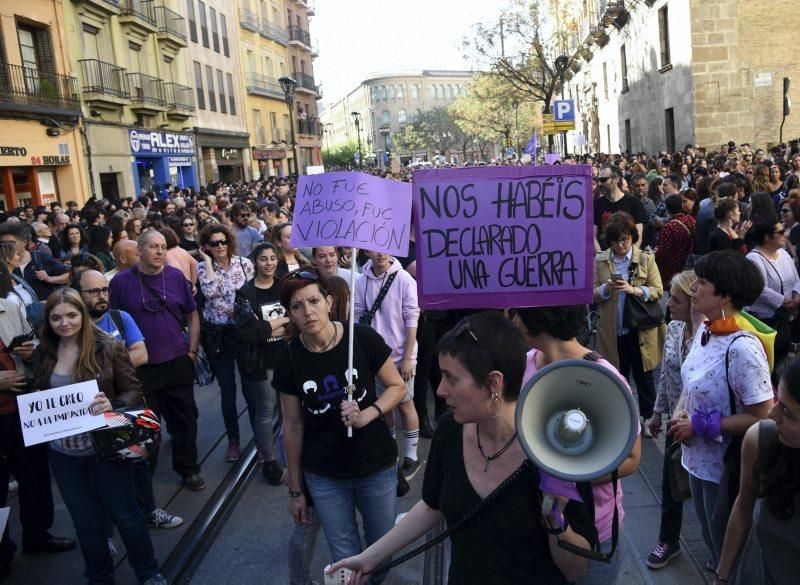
217, 243
189, 224
96, 292
786, 210
244, 215
603, 179
623, 241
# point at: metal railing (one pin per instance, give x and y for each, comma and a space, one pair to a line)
248, 20
297, 33
308, 127
170, 22
141, 9
32, 87
146, 89
273, 32
262, 85
104, 78
305, 80
178, 97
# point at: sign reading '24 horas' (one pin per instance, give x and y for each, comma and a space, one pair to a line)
143, 142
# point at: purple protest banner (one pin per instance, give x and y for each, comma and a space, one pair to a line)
497, 237
352, 209
550, 158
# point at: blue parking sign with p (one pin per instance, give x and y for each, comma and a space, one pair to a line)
563, 110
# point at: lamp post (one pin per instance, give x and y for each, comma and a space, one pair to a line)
326, 129
288, 84
562, 62
515, 103
357, 120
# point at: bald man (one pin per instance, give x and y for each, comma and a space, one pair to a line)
126, 255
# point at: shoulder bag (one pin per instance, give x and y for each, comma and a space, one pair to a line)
638, 313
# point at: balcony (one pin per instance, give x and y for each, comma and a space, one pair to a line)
308, 127
310, 8
299, 36
599, 36
248, 20
138, 14
104, 85
107, 7
305, 82
23, 89
147, 94
180, 105
264, 86
613, 13
171, 27
273, 32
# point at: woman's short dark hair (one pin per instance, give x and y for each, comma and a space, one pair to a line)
732, 275
724, 207
218, 228
98, 238
620, 225
564, 322
260, 248
674, 204
171, 237
484, 343
759, 232
293, 282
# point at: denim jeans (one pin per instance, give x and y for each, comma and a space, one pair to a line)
704, 496
671, 511
335, 500
90, 486
260, 398
302, 541
599, 573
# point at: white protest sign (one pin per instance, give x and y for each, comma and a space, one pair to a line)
58, 413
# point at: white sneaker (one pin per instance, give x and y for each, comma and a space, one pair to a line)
111, 548
163, 519
646, 428
13, 485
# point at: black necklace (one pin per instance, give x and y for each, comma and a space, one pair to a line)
496, 455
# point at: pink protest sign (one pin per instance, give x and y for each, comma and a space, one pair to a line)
354, 210
497, 237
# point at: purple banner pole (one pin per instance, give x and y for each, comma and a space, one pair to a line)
502, 237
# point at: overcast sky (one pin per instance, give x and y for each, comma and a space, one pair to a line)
358, 37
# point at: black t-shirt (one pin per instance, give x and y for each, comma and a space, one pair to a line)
319, 381
604, 208
719, 240
507, 542
189, 245
269, 308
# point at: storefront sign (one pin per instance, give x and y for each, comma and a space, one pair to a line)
268, 153
180, 161
13, 151
50, 160
229, 153
143, 142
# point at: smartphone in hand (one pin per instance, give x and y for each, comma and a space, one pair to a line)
617, 277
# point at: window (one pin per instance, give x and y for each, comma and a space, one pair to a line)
201, 7
90, 40
415, 92
452, 92
669, 120
435, 91
134, 57
212, 98
214, 31
273, 124
198, 83
386, 118
221, 88
663, 36
399, 92
192, 21
402, 117
628, 138
169, 77
623, 60
605, 80
391, 93
223, 24
231, 97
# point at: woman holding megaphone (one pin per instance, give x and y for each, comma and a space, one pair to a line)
476, 458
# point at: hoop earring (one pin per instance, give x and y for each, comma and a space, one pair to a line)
723, 311
493, 408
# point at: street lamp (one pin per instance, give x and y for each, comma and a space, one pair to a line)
357, 120
327, 130
288, 84
515, 104
562, 62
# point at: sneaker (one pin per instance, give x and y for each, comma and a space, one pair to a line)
232, 453
409, 468
259, 454
402, 485
662, 555
273, 473
646, 429
157, 579
194, 482
13, 485
111, 548
163, 519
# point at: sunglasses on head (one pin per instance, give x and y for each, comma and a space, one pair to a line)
464, 328
303, 275
217, 243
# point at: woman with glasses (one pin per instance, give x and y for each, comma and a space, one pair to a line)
340, 472
289, 259
73, 241
621, 270
220, 274
474, 450
188, 233
73, 350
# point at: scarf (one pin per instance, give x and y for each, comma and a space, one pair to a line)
743, 321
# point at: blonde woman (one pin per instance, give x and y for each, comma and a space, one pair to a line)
289, 259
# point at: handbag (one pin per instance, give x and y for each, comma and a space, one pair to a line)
781, 321
638, 313
678, 476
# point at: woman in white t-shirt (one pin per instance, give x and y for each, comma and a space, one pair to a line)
726, 282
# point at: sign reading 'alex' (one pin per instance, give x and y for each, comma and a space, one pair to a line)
160, 142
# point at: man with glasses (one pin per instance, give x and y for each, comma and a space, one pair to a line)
247, 238
612, 199
160, 300
94, 290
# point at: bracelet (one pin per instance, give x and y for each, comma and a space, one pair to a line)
295, 494
378, 408
193, 351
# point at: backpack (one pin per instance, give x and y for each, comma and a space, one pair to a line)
119, 322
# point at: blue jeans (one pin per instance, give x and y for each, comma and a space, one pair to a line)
89, 487
704, 497
599, 573
335, 501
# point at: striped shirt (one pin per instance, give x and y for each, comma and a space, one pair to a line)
780, 277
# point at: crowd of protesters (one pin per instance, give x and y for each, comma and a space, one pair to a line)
180, 276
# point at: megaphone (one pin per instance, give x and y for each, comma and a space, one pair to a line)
576, 420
